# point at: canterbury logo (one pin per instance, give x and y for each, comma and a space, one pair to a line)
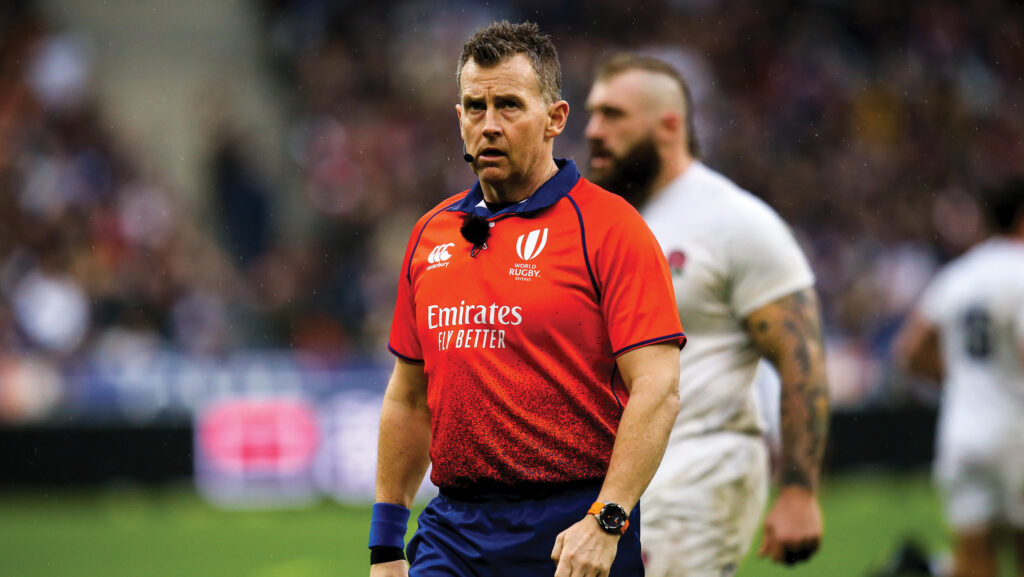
440, 253
529, 245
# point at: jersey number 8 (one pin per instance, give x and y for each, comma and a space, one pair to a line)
977, 331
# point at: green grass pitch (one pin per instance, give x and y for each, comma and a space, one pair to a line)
128, 532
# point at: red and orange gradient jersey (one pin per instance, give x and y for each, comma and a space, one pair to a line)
519, 341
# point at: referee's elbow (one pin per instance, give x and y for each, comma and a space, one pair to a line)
672, 402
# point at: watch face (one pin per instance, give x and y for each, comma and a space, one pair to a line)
612, 517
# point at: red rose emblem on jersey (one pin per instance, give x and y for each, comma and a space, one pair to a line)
676, 261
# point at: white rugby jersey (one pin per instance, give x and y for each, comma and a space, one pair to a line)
977, 305
729, 254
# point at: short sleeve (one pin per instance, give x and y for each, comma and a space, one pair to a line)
767, 263
404, 341
637, 297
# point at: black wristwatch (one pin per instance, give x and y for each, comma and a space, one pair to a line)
611, 517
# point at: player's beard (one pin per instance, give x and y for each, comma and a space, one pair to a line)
631, 175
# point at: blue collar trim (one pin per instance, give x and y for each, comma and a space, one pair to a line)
548, 194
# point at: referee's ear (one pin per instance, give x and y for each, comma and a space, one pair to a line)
558, 115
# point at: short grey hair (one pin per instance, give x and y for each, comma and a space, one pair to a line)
502, 40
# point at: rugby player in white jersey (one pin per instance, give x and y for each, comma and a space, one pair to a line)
968, 332
744, 291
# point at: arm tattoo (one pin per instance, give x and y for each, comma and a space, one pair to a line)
788, 333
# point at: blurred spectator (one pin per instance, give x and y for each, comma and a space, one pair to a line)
867, 125
50, 306
242, 203
95, 255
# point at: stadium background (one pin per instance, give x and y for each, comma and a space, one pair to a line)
203, 206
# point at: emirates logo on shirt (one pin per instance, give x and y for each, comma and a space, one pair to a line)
529, 245
471, 326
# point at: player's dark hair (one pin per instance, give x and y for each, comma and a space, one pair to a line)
502, 40
625, 61
1004, 204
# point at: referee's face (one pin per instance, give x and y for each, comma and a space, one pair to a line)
508, 127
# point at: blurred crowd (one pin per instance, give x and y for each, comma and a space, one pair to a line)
869, 125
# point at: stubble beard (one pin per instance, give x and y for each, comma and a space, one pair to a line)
506, 187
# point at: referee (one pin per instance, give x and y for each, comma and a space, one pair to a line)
537, 349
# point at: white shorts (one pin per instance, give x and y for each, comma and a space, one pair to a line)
701, 510
982, 489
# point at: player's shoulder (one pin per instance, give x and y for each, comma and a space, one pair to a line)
979, 255
994, 258
740, 200
728, 209
960, 274
717, 199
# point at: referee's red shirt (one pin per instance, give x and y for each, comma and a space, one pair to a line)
519, 341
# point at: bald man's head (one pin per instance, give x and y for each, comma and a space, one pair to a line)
640, 130
659, 84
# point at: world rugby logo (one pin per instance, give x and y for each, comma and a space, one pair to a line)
440, 253
529, 245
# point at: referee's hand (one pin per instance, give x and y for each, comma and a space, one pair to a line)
398, 568
792, 530
584, 550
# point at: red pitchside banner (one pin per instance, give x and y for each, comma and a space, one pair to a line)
257, 452
254, 436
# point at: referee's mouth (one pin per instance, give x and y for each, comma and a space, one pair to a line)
490, 153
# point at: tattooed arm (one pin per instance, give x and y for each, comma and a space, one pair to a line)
788, 333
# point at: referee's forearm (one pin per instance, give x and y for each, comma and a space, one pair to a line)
641, 439
403, 452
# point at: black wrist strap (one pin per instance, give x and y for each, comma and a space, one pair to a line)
383, 554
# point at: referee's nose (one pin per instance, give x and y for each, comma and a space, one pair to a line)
492, 123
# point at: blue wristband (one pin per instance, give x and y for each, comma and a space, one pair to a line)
388, 525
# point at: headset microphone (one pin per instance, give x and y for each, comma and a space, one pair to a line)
475, 228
